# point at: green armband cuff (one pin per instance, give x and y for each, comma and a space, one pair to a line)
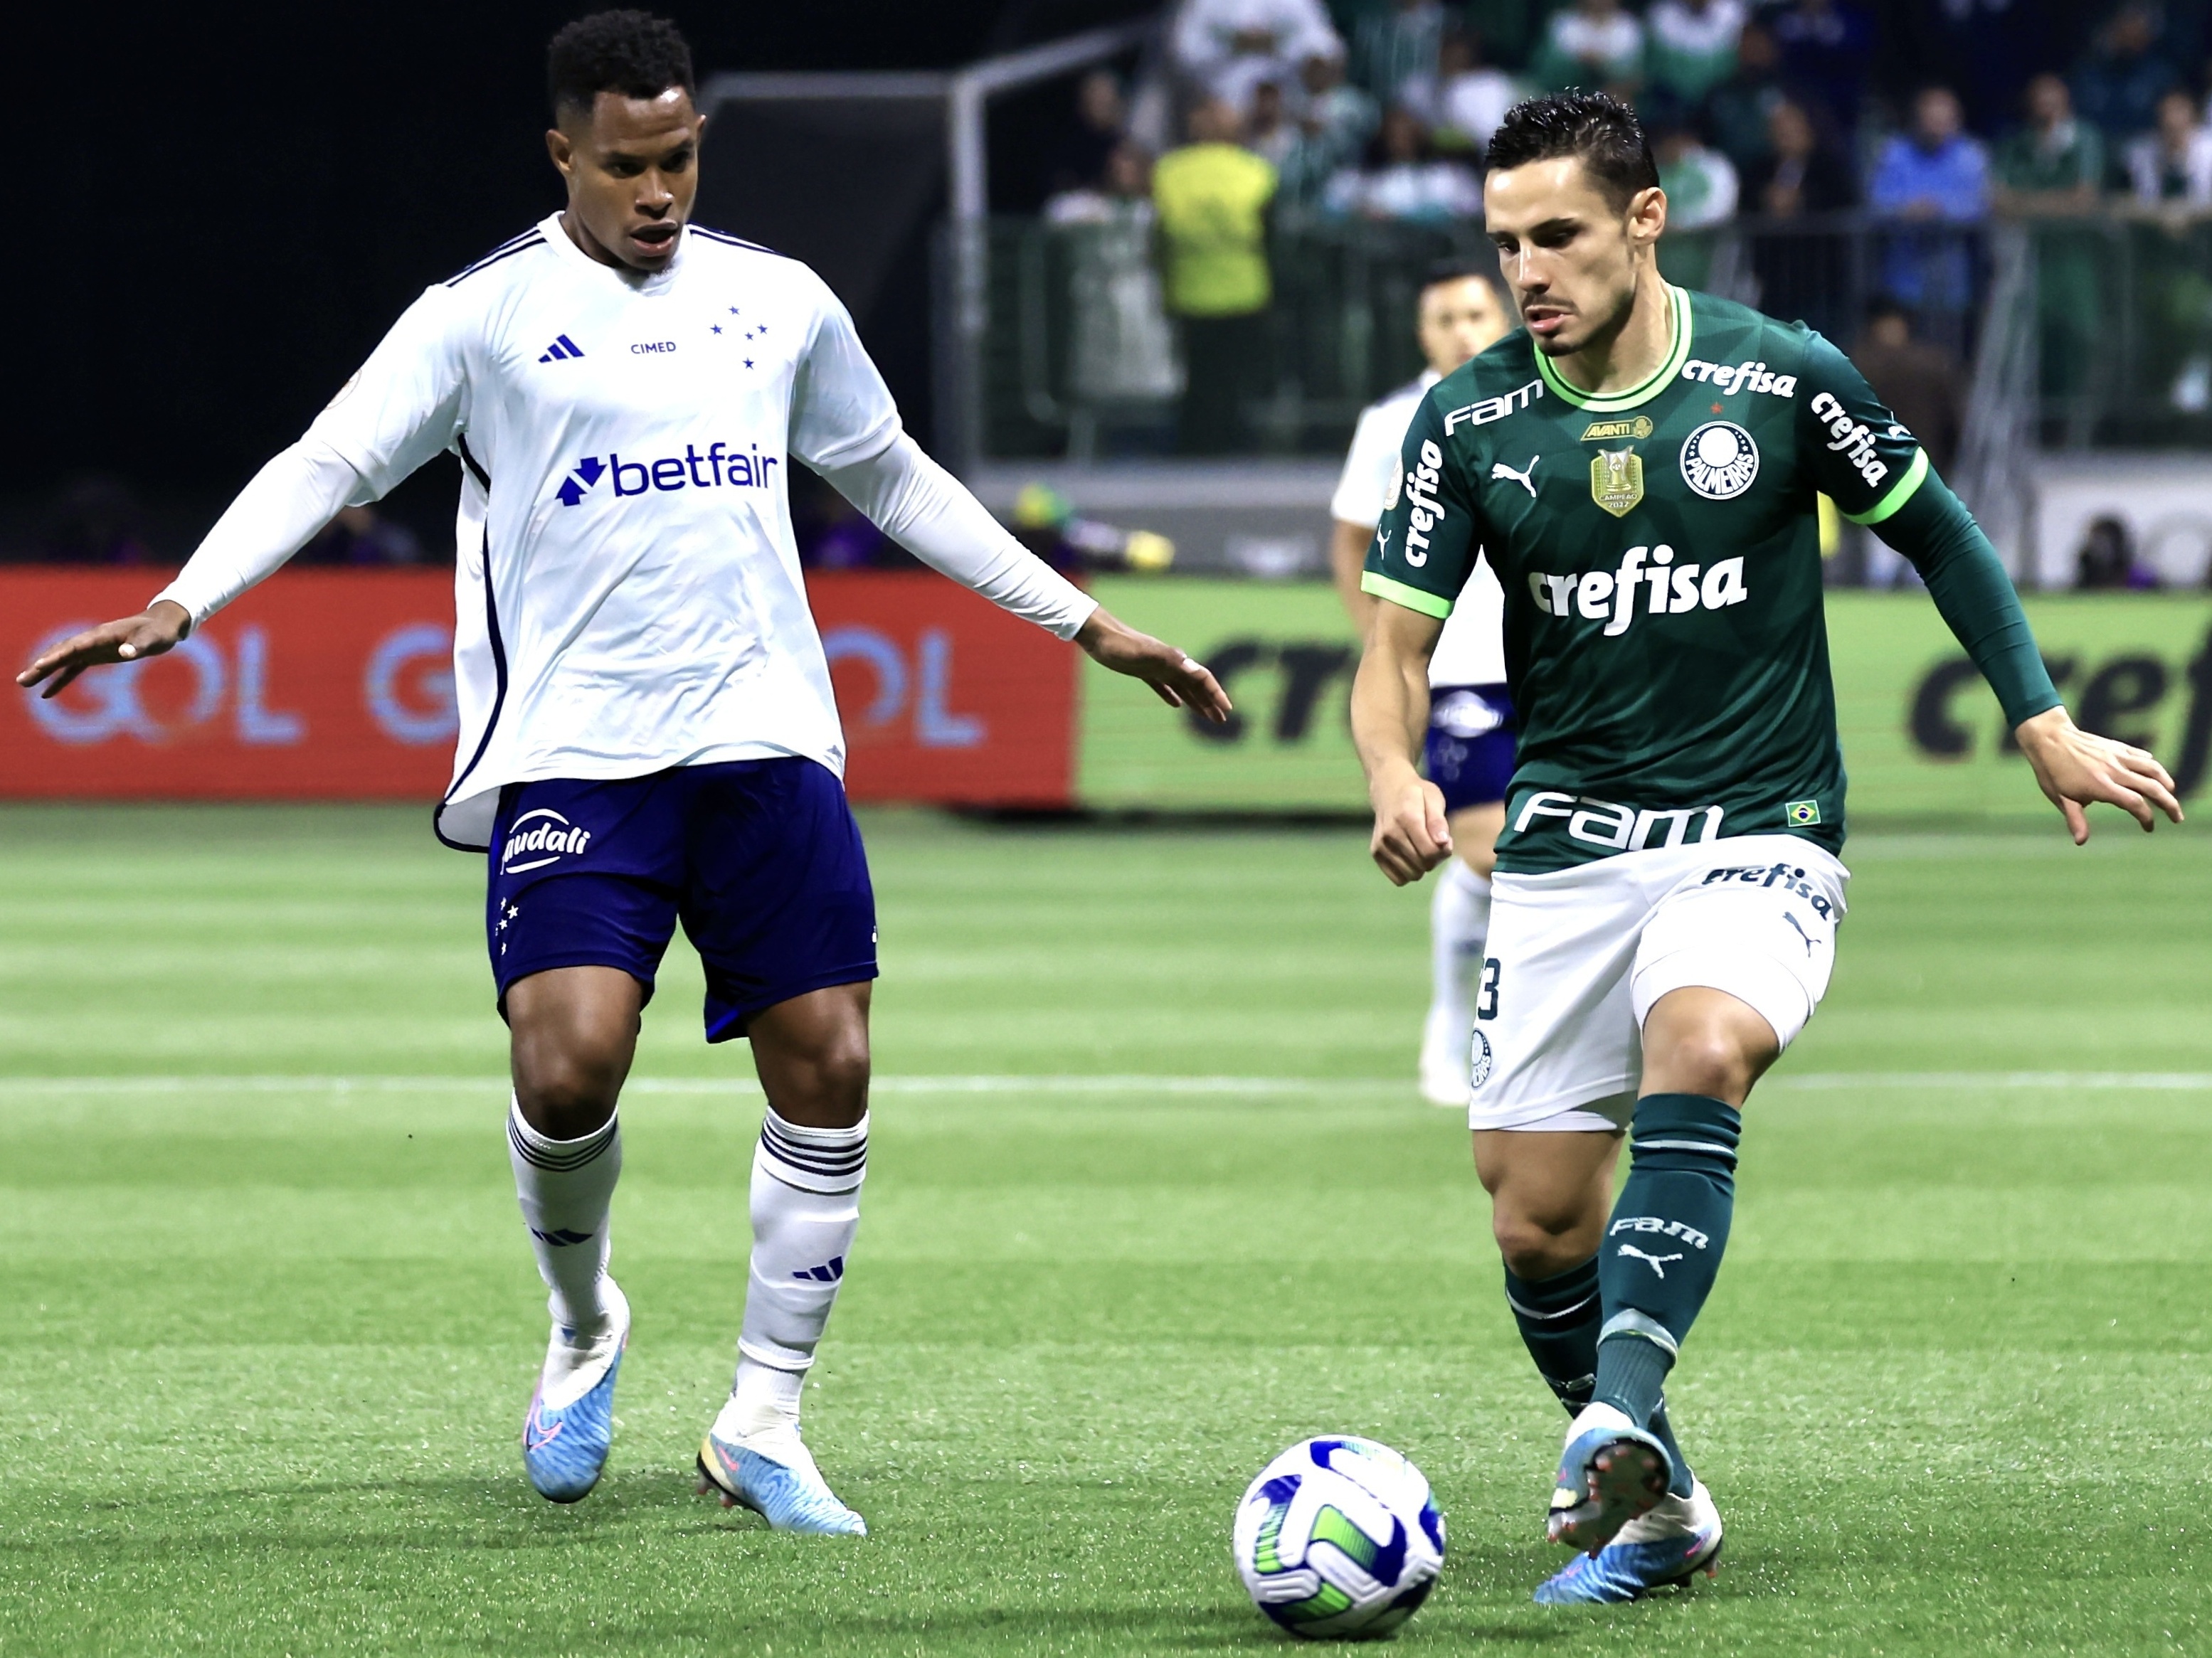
1398, 593
1915, 476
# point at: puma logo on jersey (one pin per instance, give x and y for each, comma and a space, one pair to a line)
1499, 471
1656, 1263
1799, 926
1612, 596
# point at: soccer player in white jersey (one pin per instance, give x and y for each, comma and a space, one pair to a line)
648, 730
1469, 751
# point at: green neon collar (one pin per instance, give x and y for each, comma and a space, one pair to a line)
1613, 402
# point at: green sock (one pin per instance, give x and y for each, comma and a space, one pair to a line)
1663, 1247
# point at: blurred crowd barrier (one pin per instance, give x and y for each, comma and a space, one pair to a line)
331, 685
2072, 331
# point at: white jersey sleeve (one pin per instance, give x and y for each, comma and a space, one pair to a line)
842, 412
1365, 485
408, 401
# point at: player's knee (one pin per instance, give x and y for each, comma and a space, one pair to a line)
566, 1095
1708, 1061
1544, 1241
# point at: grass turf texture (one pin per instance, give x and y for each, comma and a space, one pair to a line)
269, 1346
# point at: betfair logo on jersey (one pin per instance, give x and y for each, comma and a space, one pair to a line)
1598, 430
1743, 377
1491, 408
1423, 511
1617, 480
1668, 589
1618, 828
1852, 441
721, 467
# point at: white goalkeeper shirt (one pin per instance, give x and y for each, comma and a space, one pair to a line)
1471, 650
628, 591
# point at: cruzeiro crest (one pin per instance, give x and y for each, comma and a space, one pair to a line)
1617, 480
1719, 460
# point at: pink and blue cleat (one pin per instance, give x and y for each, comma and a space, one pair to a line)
571, 1424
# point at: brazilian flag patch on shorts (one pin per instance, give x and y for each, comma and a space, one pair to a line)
1802, 814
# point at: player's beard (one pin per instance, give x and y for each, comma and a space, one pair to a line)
1602, 334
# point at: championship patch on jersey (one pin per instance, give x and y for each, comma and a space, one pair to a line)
1617, 480
1719, 460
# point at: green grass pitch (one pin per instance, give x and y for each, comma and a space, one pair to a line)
268, 1342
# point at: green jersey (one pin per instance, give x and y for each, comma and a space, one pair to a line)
1660, 553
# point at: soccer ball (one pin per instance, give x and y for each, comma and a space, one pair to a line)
1339, 1537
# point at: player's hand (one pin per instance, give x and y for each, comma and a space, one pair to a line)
1411, 834
162, 626
2074, 768
1175, 679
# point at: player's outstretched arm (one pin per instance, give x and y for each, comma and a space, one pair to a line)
1179, 682
2075, 767
162, 626
1389, 712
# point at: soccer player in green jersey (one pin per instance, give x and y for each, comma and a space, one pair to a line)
1640, 466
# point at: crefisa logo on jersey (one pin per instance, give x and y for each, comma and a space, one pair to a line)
1719, 460
542, 837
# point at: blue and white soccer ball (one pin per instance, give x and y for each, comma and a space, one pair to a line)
1339, 1537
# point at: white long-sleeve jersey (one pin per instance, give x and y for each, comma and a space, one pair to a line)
628, 592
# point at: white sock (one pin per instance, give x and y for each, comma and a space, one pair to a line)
805, 1209
565, 1188
1459, 926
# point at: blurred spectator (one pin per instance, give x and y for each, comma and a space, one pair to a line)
1737, 110
1101, 117
1395, 42
2055, 163
1593, 45
1827, 47
1923, 385
1268, 129
1212, 197
1934, 174
1802, 276
1122, 366
1701, 182
95, 519
1799, 174
2118, 86
1333, 125
1692, 47
1227, 47
360, 535
2172, 162
1404, 178
1464, 101
2107, 559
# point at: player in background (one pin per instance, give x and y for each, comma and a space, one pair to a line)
1641, 468
1469, 750
648, 729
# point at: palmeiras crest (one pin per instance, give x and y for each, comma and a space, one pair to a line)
1617, 480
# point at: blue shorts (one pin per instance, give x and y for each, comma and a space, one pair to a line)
760, 859
1470, 744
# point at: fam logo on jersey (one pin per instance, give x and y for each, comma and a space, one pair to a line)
1617, 480
1658, 587
1617, 827
720, 467
553, 838
1491, 408
1719, 460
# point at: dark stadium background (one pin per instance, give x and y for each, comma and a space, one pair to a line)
220, 207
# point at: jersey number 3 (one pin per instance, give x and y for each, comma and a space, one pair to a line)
1486, 1006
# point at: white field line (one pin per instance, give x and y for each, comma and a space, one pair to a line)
1807, 1082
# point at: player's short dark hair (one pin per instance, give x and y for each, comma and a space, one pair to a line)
1441, 271
1597, 128
632, 53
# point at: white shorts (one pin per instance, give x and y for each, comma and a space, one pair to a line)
1577, 957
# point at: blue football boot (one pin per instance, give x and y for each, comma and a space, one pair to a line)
571, 1424
785, 1489
1611, 1472
1680, 1538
